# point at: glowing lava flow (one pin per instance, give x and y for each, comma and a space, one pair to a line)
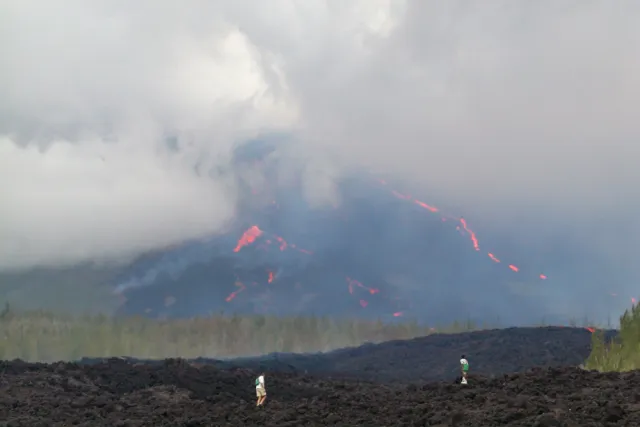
251, 235
474, 239
254, 232
463, 226
353, 283
248, 237
232, 295
283, 245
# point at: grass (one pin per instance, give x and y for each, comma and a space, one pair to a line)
623, 353
46, 337
37, 335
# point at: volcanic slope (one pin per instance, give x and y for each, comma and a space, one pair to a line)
378, 253
175, 393
435, 357
430, 358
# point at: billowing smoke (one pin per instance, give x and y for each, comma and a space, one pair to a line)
379, 252
118, 124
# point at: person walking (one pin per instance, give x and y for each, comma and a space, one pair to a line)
261, 391
464, 367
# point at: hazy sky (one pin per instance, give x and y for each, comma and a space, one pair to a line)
502, 104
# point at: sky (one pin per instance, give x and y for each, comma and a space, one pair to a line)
515, 111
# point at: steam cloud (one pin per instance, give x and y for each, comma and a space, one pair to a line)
523, 115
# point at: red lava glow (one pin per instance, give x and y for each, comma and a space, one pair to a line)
234, 294
427, 207
472, 235
248, 237
351, 283
354, 286
253, 232
462, 227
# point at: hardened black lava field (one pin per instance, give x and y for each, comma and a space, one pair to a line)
118, 392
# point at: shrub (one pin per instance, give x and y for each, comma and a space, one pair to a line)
622, 353
45, 337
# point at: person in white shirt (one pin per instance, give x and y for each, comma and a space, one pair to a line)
261, 391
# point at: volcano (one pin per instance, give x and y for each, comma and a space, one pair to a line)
369, 251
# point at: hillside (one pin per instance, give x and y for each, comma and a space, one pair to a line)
429, 358
369, 248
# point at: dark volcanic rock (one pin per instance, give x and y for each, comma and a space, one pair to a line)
434, 357
120, 392
174, 393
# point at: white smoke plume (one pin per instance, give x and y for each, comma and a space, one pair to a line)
517, 110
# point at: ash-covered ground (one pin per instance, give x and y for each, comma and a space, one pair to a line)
382, 385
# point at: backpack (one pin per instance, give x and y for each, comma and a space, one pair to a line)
257, 382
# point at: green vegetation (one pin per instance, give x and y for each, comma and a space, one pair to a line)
46, 337
621, 354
